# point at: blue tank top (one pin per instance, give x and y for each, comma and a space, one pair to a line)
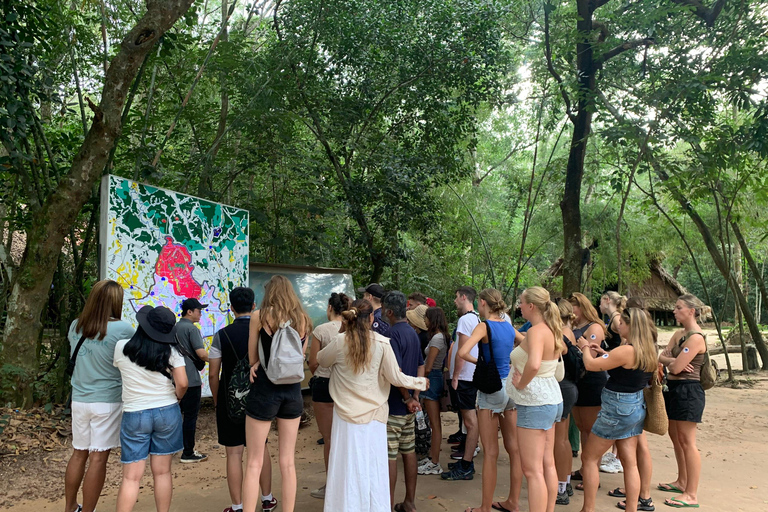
503, 340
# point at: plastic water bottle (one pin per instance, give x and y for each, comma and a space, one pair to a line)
420, 422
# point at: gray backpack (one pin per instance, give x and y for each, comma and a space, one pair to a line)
286, 359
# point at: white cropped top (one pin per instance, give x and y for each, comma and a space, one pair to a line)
542, 390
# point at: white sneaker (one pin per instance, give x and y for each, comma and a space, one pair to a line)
608, 464
430, 469
318, 493
617, 466
424, 461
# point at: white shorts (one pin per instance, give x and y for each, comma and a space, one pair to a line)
96, 426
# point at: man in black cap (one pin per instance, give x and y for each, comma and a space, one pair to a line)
373, 294
190, 339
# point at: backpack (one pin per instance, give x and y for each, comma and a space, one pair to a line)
707, 373
286, 359
238, 386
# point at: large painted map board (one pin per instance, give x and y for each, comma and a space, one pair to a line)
164, 246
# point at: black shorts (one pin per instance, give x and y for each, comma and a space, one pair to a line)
591, 389
267, 401
466, 395
320, 392
684, 400
570, 394
230, 433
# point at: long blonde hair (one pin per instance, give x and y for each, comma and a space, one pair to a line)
642, 336
280, 303
588, 311
358, 335
619, 301
104, 302
566, 311
493, 298
539, 297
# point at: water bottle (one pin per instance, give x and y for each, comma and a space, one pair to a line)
420, 422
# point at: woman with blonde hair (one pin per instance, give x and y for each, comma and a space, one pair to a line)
611, 304
588, 324
96, 392
684, 357
570, 392
266, 400
363, 368
621, 417
496, 339
535, 391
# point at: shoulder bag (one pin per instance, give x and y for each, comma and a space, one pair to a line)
656, 421
486, 377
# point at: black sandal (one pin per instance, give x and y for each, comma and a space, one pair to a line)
616, 493
642, 504
576, 475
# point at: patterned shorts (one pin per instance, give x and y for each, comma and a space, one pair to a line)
401, 435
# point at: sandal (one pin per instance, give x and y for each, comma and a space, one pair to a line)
642, 504
496, 505
576, 475
677, 503
616, 493
669, 488
580, 486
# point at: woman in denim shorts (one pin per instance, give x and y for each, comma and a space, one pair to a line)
154, 380
436, 326
496, 409
630, 367
535, 390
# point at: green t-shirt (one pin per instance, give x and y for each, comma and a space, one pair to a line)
96, 379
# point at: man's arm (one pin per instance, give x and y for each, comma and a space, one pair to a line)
196, 340
463, 338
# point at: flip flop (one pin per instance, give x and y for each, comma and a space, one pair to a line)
669, 488
576, 475
676, 503
580, 486
496, 505
616, 493
399, 507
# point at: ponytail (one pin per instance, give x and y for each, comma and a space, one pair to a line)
550, 312
358, 334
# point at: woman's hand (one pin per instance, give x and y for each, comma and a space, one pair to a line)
582, 343
597, 349
254, 368
516, 379
688, 369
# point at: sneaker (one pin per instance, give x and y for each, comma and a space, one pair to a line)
569, 489
230, 509
458, 455
424, 461
459, 473
562, 499
269, 504
430, 468
608, 463
318, 493
457, 438
452, 465
195, 457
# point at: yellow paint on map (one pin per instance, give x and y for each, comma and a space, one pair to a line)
127, 276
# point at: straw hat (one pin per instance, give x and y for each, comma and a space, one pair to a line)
416, 316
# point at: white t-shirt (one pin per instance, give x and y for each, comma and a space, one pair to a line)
144, 389
466, 325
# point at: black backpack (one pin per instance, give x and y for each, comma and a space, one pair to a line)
238, 386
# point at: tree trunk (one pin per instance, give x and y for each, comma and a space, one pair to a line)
721, 265
51, 224
756, 273
574, 256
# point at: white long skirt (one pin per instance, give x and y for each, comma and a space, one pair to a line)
358, 468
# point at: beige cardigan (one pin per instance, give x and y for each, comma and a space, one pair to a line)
362, 397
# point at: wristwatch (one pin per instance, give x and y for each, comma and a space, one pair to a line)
405, 400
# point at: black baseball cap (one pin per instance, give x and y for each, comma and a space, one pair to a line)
190, 304
374, 289
159, 323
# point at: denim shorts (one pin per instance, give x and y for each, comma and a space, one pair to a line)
538, 417
497, 402
150, 432
621, 416
436, 385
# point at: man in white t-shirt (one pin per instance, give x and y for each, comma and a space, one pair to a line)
461, 373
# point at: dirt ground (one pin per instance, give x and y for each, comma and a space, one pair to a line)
730, 440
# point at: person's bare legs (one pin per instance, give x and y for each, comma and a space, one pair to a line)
563, 454
410, 472
161, 475
73, 478
433, 411
93, 482
256, 433
265, 480
324, 418
682, 473
644, 467
508, 422
235, 472
473, 433
550, 473
628, 453
488, 424
585, 417
129, 487
392, 480
686, 436
287, 432
590, 458
532, 443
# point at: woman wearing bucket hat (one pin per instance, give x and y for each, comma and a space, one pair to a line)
154, 379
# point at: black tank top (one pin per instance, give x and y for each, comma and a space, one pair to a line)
623, 380
614, 339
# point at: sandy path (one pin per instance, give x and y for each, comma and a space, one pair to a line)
730, 440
